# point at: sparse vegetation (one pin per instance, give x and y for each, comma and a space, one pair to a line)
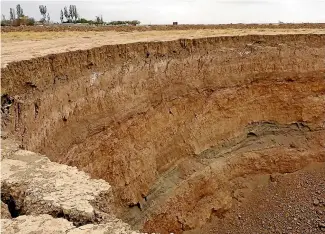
67, 15
17, 18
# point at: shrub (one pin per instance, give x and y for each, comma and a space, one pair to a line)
83, 21
30, 21
5, 23
133, 22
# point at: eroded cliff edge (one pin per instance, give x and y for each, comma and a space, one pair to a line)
172, 125
41, 196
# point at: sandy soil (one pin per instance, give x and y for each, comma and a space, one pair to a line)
16, 46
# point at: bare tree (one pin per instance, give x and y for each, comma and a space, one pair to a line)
43, 11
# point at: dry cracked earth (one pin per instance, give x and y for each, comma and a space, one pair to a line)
209, 129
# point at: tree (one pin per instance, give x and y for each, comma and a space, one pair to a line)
66, 13
12, 14
99, 20
43, 11
134, 22
20, 12
48, 18
75, 12
61, 16
71, 11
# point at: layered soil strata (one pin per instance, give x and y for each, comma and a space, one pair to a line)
174, 125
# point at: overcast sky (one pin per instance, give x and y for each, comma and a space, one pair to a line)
184, 11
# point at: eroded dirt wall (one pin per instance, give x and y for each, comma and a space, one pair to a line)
130, 113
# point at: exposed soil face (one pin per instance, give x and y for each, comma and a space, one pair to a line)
174, 126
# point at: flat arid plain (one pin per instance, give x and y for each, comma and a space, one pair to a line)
163, 129
22, 45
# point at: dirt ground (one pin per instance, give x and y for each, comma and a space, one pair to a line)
285, 204
16, 46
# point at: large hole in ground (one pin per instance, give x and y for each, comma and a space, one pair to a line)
174, 132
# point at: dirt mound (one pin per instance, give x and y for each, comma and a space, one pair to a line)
174, 126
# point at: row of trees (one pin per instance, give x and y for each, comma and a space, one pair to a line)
67, 15
17, 17
71, 15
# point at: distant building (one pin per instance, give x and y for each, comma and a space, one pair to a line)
175, 23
